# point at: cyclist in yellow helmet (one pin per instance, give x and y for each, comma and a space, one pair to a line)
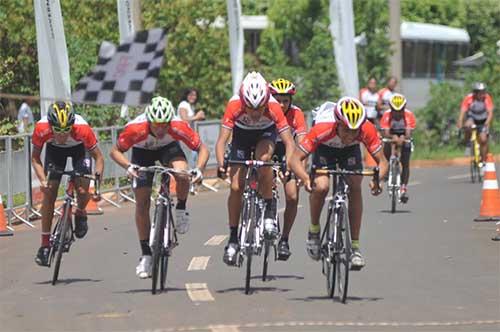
335, 140
64, 134
397, 124
283, 91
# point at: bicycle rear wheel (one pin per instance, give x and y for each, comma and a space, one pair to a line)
62, 228
342, 257
265, 264
157, 247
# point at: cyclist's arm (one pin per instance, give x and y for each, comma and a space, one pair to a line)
96, 153
119, 157
382, 163
489, 118
296, 164
203, 155
286, 137
36, 162
220, 146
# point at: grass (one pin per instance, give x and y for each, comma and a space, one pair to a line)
445, 152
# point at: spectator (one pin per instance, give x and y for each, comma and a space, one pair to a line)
25, 117
370, 97
186, 111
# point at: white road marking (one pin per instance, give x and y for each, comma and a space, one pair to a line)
215, 240
225, 328
198, 263
198, 292
456, 177
414, 183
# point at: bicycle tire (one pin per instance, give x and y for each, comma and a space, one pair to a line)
326, 254
265, 264
166, 253
157, 245
395, 174
250, 238
342, 258
63, 225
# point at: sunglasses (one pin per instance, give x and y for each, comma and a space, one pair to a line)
61, 130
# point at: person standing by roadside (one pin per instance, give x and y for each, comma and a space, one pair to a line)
385, 94
186, 111
370, 98
25, 117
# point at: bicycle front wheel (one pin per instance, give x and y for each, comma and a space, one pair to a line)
343, 256
265, 264
157, 246
62, 228
250, 224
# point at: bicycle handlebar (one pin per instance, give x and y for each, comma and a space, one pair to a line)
389, 140
75, 174
365, 172
254, 163
162, 170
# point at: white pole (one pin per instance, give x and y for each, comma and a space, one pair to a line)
236, 41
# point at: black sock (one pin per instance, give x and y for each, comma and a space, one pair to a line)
181, 204
284, 239
270, 211
146, 250
233, 234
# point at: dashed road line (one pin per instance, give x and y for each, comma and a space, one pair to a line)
198, 292
198, 263
414, 183
283, 209
215, 240
456, 177
225, 328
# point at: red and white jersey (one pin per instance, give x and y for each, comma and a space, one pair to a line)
235, 115
408, 121
369, 100
385, 95
296, 120
81, 133
138, 134
325, 133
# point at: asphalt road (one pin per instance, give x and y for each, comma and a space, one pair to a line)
429, 268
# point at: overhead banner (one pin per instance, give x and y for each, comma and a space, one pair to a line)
236, 41
53, 65
126, 74
342, 30
127, 29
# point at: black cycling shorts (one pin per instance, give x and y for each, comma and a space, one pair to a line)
57, 157
481, 128
348, 158
164, 155
244, 141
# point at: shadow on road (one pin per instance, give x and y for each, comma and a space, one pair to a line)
254, 290
148, 290
335, 299
276, 277
68, 281
397, 211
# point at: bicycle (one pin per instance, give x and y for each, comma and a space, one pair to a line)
63, 234
394, 177
251, 232
475, 154
163, 235
336, 242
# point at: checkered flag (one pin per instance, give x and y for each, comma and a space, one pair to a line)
126, 74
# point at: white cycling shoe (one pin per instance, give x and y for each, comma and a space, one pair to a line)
143, 270
181, 221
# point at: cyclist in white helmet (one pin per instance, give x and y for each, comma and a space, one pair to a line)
154, 136
253, 119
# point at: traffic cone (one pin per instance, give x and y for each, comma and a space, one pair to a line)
4, 231
92, 208
490, 202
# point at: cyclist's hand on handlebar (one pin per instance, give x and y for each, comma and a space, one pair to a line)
222, 172
307, 184
197, 175
132, 171
376, 188
44, 186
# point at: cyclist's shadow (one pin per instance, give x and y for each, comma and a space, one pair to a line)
68, 281
395, 212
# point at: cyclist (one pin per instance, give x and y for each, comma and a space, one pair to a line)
283, 90
254, 118
385, 94
397, 124
64, 134
154, 136
478, 109
335, 137
370, 97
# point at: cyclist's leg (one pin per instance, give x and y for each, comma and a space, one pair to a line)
467, 130
142, 192
292, 200
81, 163
483, 141
405, 171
